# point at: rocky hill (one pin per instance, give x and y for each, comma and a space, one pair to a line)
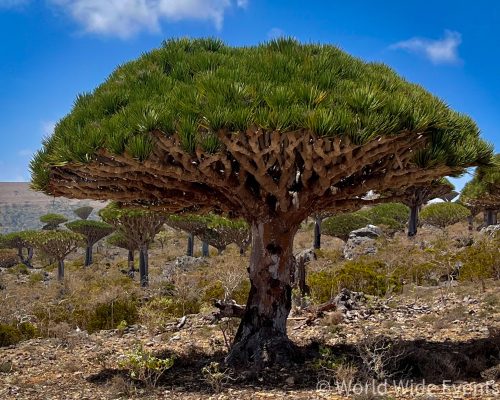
21, 207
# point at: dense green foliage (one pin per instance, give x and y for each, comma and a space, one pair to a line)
364, 275
392, 216
83, 212
13, 333
443, 214
57, 244
52, 221
484, 184
93, 231
197, 87
213, 229
342, 224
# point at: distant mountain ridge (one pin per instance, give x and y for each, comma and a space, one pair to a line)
21, 207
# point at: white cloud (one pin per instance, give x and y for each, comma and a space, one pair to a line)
125, 18
440, 51
13, 3
275, 33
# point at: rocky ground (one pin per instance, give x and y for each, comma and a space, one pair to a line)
452, 333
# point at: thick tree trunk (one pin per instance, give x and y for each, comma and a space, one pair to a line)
204, 249
317, 233
190, 245
60, 270
491, 217
131, 267
413, 222
261, 337
144, 266
88, 256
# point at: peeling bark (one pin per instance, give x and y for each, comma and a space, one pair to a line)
262, 338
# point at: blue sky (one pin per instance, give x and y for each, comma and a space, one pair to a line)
51, 50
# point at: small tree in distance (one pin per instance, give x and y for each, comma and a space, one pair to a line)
57, 245
483, 191
118, 239
443, 214
417, 196
52, 221
83, 212
92, 231
139, 226
20, 242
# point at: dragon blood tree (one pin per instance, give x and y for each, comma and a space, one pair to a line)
57, 245
270, 133
139, 226
92, 231
417, 196
20, 242
482, 192
52, 221
118, 239
83, 212
212, 229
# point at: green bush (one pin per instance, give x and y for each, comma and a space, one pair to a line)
364, 275
391, 215
443, 214
480, 261
341, 225
110, 315
144, 367
9, 335
36, 277
13, 333
19, 269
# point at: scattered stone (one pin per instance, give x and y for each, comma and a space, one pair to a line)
362, 242
490, 230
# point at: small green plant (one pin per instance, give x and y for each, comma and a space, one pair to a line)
36, 277
19, 269
121, 327
144, 367
215, 376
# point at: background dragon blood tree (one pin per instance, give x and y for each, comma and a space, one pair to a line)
92, 231
19, 241
483, 191
52, 221
212, 229
270, 133
118, 239
139, 226
417, 196
57, 245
